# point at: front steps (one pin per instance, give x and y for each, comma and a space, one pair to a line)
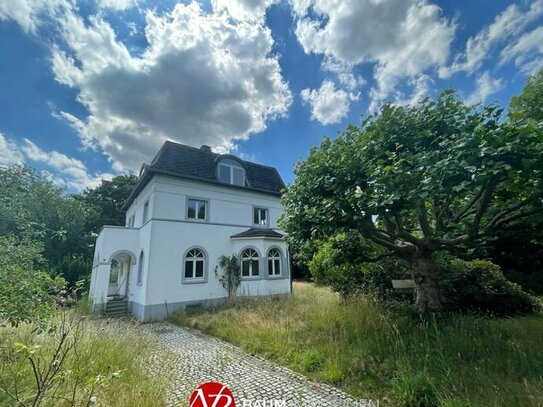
117, 307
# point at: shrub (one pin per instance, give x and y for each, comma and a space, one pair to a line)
26, 294
480, 286
467, 285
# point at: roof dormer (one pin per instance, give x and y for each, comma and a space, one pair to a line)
231, 171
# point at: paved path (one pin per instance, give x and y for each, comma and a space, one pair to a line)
187, 358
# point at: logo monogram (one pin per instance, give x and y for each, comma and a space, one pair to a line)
212, 394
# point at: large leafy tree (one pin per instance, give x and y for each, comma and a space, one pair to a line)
529, 104
108, 198
415, 180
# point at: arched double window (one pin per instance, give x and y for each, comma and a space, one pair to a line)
274, 262
249, 263
231, 172
195, 265
140, 269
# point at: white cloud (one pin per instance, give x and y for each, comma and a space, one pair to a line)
117, 5
508, 24
68, 172
203, 79
28, 13
328, 104
9, 152
485, 86
404, 38
527, 51
253, 10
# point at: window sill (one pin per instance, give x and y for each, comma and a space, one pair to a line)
194, 281
250, 278
275, 277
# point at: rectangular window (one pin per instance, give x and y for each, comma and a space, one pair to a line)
260, 216
224, 174
145, 212
238, 177
199, 269
197, 209
245, 268
188, 269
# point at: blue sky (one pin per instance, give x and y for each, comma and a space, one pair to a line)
91, 89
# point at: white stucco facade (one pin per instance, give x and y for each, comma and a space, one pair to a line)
158, 241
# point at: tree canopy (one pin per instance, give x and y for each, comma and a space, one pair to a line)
414, 180
529, 104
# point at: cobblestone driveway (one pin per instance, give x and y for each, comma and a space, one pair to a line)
186, 358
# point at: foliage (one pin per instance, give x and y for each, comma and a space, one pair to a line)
26, 294
341, 264
74, 268
108, 199
230, 278
373, 353
480, 286
34, 209
528, 104
80, 362
420, 179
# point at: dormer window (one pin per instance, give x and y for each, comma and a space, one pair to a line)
231, 172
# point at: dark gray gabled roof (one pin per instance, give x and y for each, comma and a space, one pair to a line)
258, 232
200, 164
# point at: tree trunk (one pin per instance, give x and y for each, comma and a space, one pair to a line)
428, 295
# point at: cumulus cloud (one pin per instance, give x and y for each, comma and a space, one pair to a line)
64, 171
28, 13
68, 172
9, 152
254, 10
328, 104
485, 86
404, 38
203, 79
508, 24
117, 5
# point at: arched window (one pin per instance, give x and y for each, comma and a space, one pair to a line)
274, 262
231, 172
249, 263
195, 265
140, 269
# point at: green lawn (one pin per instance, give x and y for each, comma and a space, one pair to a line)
373, 353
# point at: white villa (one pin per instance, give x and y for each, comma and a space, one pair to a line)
189, 207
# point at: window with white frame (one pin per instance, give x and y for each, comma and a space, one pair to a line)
196, 209
260, 216
140, 269
249, 263
145, 212
195, 265
231, 172
274, 262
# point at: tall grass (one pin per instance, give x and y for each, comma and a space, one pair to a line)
107, 361
380, 354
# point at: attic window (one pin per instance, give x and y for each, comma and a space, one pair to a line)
231, 172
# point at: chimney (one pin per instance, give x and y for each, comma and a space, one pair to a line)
206, 148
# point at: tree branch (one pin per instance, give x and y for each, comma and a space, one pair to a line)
485, 201
423, 220
497, 220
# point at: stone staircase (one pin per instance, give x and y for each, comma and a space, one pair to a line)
117, 307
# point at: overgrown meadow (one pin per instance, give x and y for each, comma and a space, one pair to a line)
388, 355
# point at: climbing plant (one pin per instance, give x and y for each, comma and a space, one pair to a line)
229, 274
